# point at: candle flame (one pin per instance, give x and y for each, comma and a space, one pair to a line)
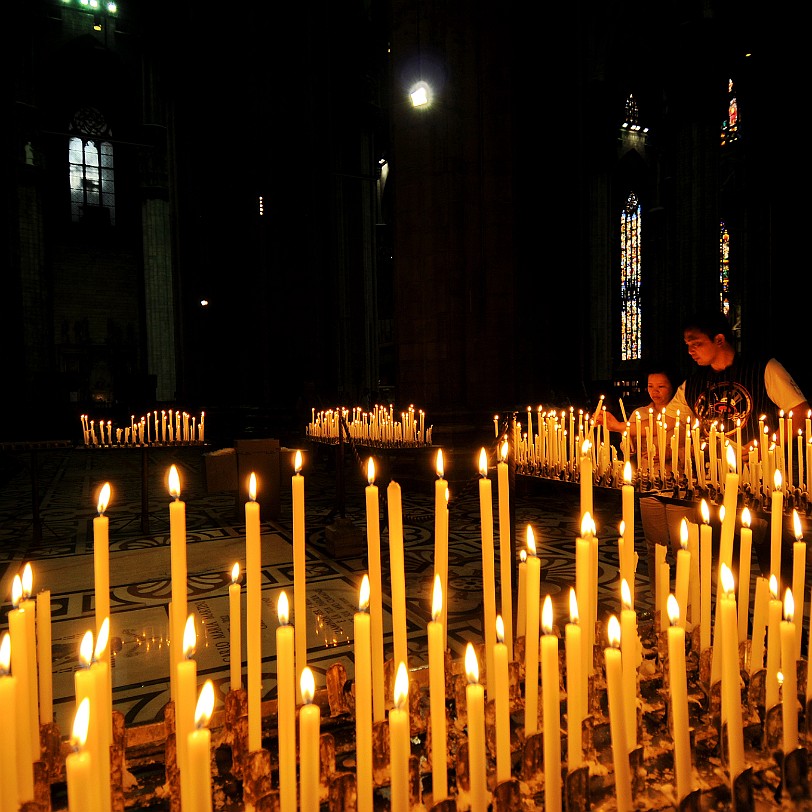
587, 525
625, 594
174, 482
522, 556
483, 463
585, 447
531, 541
440, 466
86, 649
283, 608
205, 705
573, 606
104, 498
297, 461
252, 487
27, 580
774, 587
504, 451
796, 524
613, 631
5, 654
673, 610
627, 473
778, 479
746, 517
401, 692
705, 512
189, 638
779, 675
731, 458
547, 615
471, 665
307, 685
500, 629
363, 594
683, 533
789, 605
726, 577
102, 639
81, 723
235, 573
16, 591
437, 599
371, 471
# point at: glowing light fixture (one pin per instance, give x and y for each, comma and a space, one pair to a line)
420, 94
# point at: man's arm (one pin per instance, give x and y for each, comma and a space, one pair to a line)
783, 391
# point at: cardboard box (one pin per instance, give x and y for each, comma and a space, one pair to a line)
260, 456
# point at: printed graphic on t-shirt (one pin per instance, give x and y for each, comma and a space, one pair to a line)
723, 403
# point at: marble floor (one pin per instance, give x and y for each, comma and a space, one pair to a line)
58, 541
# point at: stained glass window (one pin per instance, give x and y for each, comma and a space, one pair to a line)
730, 126
724, 268
90, 168
630, 311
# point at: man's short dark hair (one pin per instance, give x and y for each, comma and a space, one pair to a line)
710, 322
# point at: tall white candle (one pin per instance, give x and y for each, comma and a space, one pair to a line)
441, 533
397, 574
488, 577
628, 528
760, 605
45, 658
299, 568
253, 617
101, 561
679, 701
10, 798
617, 720
683, 568
629, 648
86, 686
363, 702
575, 671
399, 738
705, 553
286, 704
521, 597
501, 693
20, 669
586, 482
773, 645
745, 557
505, 554
731, 691
798, 580
551, 704
78, 765
789, 668
309, 736
198, 744
475, 707
436, 644
177, 535
375, 593
235, 629
531, 642
185, 706
776, 526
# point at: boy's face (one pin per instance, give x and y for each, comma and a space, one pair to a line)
701, 347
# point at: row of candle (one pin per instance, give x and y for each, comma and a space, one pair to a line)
174, 426
378, 426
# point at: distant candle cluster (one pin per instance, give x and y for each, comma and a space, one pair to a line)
376, 427
153, 428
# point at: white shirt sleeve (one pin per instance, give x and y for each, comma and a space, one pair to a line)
679, 403
781, 388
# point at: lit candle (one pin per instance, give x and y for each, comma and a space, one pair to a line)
78, 764
375, 590
501, 703
488, 577
505, 553
629, 648
789, 668
234, 629
299, 566
583, 556
286, 705
521, 598
86, 686
731, 691
29, 607
475, 707
253, 615
551, 709
773, 645
363, 701
21, 670
705, 551
729, 503
397, 577
184, 705
798, 579
101, 671
400, 742
10, 797
683, 567
776, 525
575, 710
617, 719
439, 741
627, 565
101, 561
759, 624
45, 657
441, 534
745, 556
309, 735
198, 743
177, 534
531, 642
679, 701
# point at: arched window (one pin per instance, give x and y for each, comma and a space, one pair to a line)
91, 171
630, 311
730, 126
724, 268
